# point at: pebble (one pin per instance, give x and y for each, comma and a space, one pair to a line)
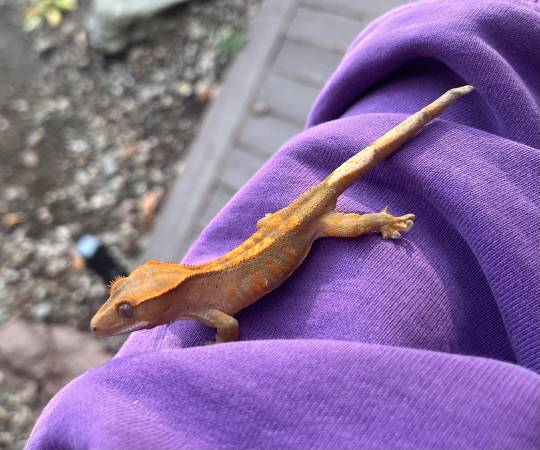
78, 146
43, 310
30, 158
4, 123
13, 219
20, 105
110, 167
44, 215
35, 137
184, 88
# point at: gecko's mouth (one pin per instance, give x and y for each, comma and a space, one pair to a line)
133, 327
121, 330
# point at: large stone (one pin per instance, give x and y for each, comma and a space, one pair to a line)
50, 355
112, 25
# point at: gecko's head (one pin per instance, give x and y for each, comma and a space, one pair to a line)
140, 300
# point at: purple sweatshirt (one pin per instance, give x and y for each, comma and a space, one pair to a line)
431, 341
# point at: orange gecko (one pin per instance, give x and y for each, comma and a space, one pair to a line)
156, 293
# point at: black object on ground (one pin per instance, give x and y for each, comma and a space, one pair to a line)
98, 258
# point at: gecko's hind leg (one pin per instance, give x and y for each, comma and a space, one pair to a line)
337, 224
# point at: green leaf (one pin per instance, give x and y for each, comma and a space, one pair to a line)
65, 5
31, 23
231, 44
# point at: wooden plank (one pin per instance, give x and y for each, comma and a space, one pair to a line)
324, 30
287, 98
241, 165
306, 64
347, 8
266, 133
169, 238
218, 198
380, 7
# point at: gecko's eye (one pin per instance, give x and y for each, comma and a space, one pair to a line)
125, 310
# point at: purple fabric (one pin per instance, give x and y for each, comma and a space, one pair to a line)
431, 341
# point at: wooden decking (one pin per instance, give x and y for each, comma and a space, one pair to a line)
294, 47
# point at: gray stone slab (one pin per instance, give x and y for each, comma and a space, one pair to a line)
241, 165
111, 24
287, 98
306, 64
357, 9
266, 133
324, 30
173, 230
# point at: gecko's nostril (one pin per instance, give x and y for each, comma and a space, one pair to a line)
94, 329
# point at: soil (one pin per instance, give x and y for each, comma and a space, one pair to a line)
88, 144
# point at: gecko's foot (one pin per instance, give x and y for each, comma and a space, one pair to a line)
394, 226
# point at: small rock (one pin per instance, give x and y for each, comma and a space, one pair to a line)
196, 30
44, 45
128, 151
62, 233
51, 355
109, 166
149, 203
20, 105
42, 310
56, 266
40, 292
111, 24
30, 158
21, 256
11, 276
81, 39
6, 439
150, 92
13, 219
167, 101
35, 137
14, 192
205, 91
140, 188
4, 123
183, 88
78, 146
77, 261
44, 215
185, 124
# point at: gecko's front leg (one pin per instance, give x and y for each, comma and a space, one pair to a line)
226, 326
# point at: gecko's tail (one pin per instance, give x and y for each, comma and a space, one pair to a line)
346, 174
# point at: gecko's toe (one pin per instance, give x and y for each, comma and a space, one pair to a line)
408, 225
396, 226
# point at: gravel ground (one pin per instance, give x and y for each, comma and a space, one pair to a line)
90, 145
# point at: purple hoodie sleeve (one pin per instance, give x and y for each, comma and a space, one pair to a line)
432, 341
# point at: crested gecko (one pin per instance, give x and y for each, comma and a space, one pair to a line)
157, 293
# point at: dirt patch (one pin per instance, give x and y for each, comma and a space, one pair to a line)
85, 140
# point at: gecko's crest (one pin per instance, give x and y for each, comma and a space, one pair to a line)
153, 279
114, 282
